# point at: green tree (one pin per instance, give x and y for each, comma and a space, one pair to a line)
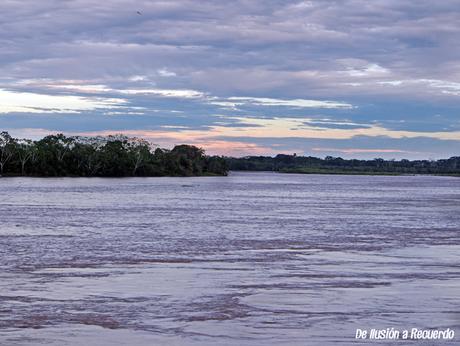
139, 151
7, 146
26, 151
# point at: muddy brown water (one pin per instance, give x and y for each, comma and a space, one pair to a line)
249, 259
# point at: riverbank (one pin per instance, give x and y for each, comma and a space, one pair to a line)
336, 165
345, 172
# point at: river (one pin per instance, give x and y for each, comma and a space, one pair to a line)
248, 259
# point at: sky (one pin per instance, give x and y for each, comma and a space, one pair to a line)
351, 78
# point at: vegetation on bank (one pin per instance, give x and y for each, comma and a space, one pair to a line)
121, 156
336, 165
112, 156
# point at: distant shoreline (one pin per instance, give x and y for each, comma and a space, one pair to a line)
348, 173
388, 174
370, 173
108, 177
121, 156
336, 165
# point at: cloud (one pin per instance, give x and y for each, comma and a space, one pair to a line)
382, 67
334, 124
300, 103
166, 73
364, 151
360, 68
22, 102
187, 94
364, 147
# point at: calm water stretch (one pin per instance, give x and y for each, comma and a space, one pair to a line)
249, 259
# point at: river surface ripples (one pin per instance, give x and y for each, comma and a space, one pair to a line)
248, 259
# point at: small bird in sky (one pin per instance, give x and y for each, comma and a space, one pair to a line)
139, 13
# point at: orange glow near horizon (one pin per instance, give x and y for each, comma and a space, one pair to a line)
239, 141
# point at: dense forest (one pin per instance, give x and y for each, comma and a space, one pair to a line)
112, 156
121, 156
337, 165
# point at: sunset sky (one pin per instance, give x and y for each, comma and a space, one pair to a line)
353, 78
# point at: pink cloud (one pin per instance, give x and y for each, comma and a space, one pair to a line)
358, 150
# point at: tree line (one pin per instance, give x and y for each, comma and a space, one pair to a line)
112, 156
122, 156
338, 165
